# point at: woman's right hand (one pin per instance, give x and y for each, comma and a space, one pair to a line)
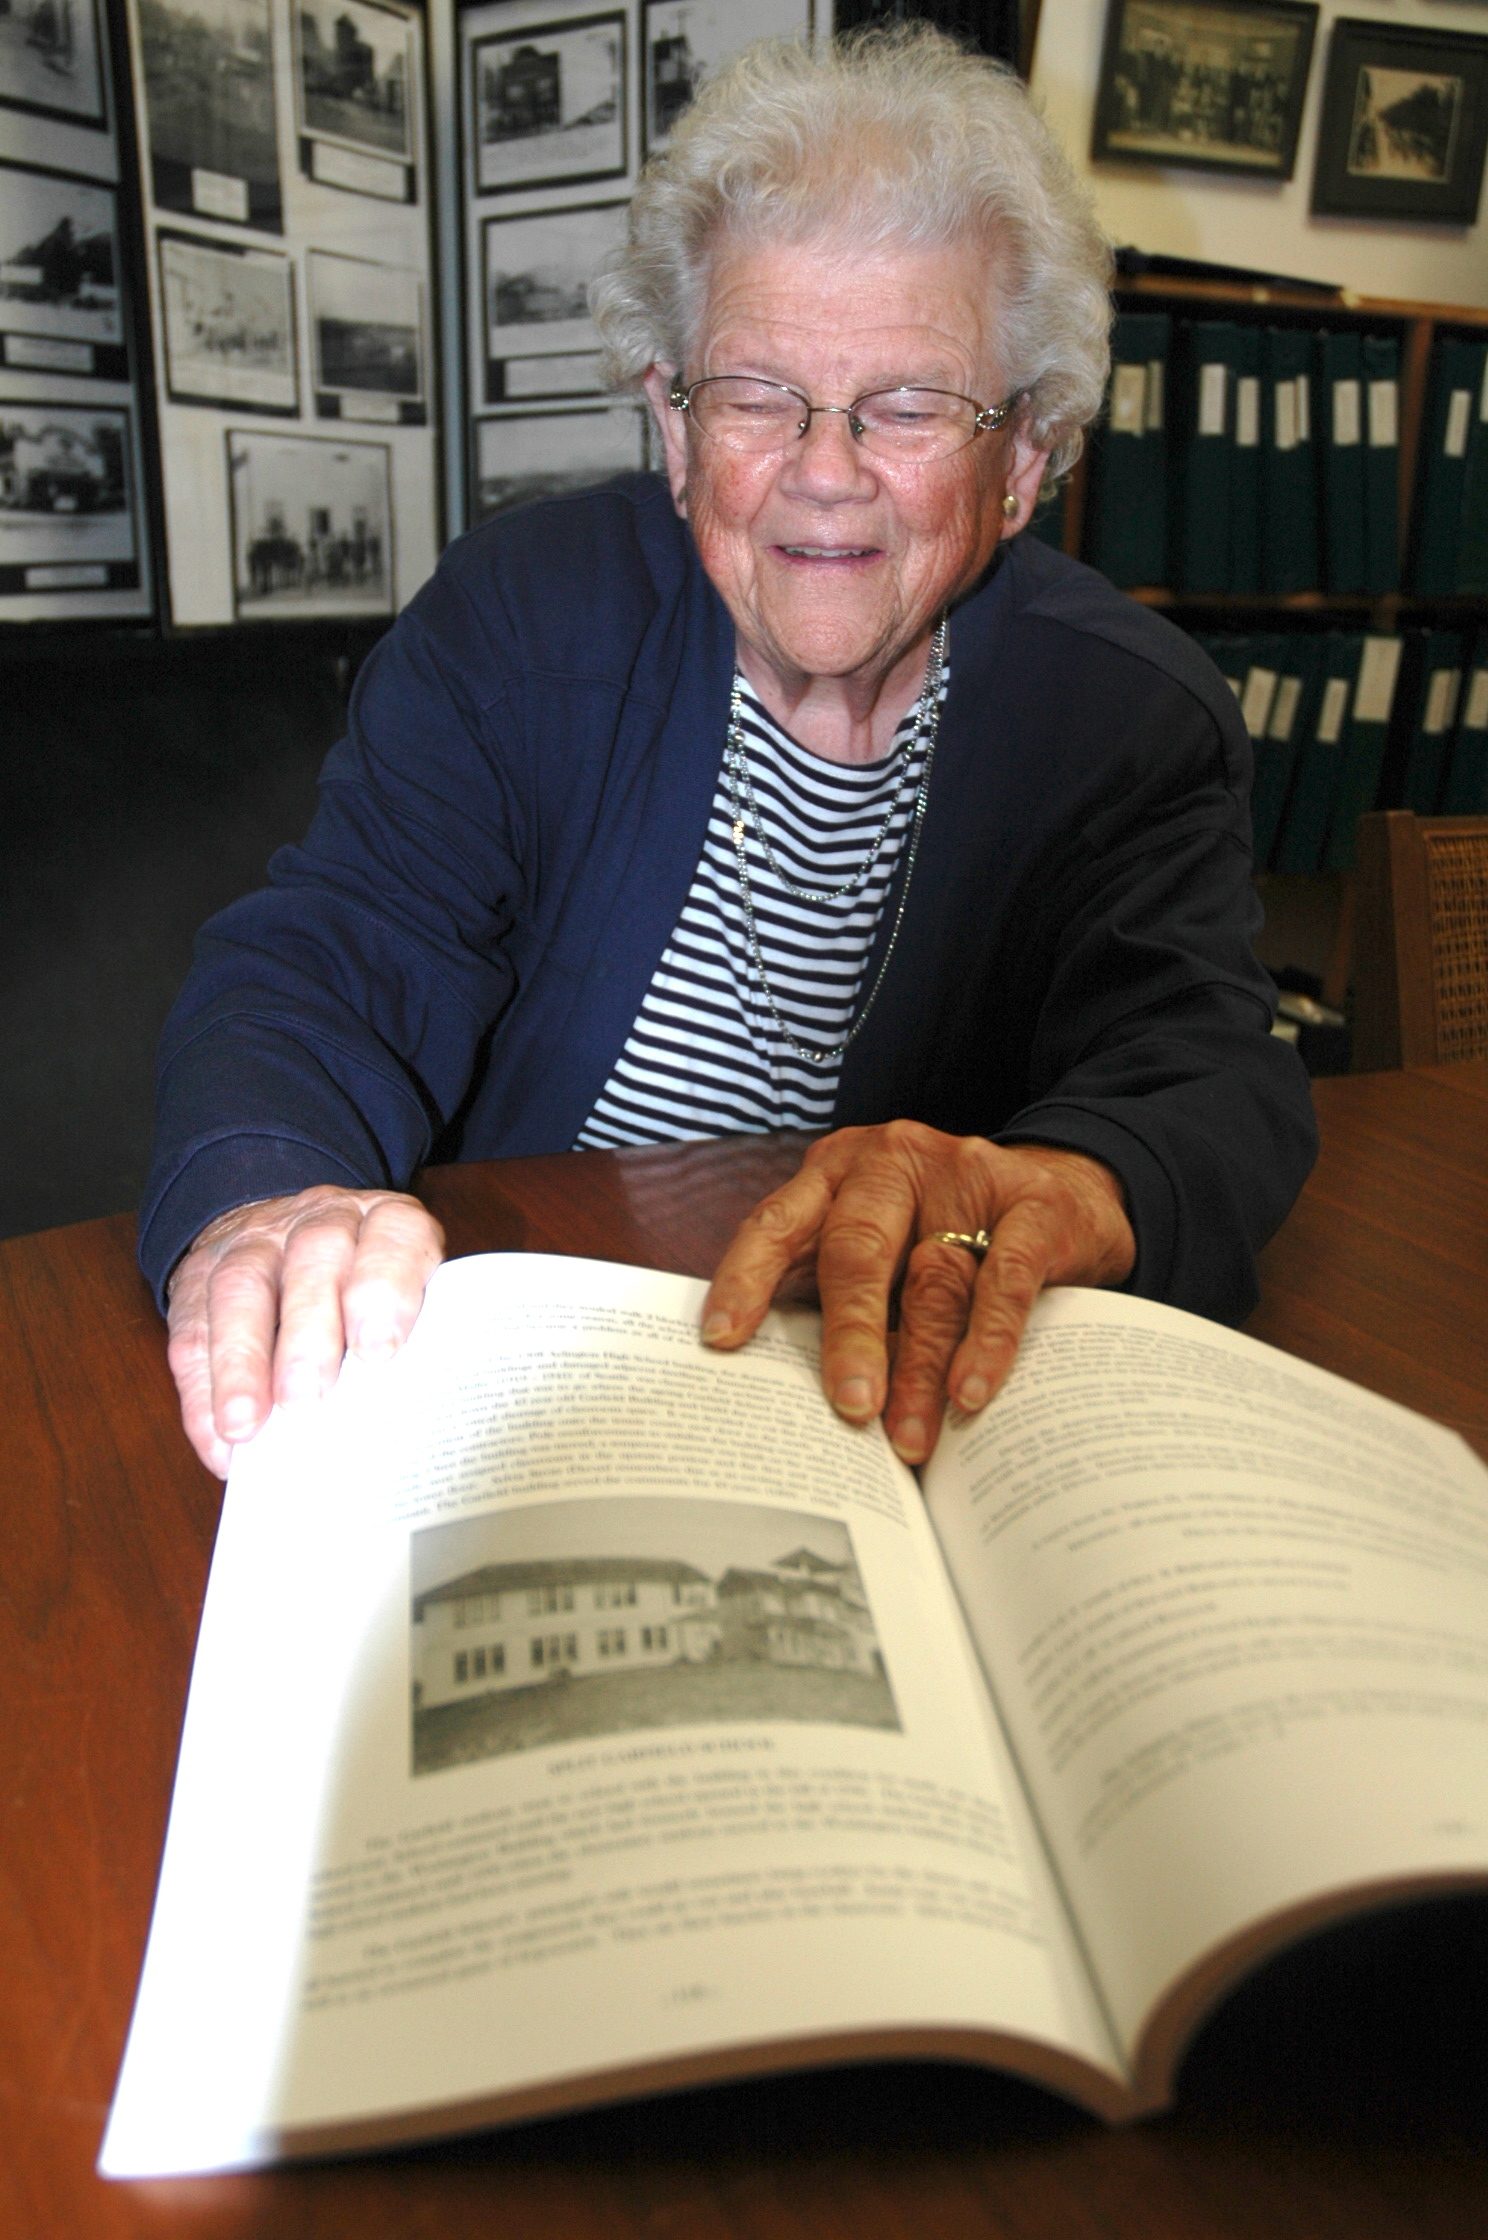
272, 1296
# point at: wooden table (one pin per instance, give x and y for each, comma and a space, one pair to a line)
1341, 2096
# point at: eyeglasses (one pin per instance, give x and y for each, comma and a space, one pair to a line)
904, 424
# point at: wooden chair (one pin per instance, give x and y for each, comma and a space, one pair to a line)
1420, 940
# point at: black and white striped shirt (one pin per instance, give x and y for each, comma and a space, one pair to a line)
705, 1056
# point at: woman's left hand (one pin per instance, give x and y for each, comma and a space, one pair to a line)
862, 1215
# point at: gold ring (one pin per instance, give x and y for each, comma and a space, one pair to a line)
979, 1243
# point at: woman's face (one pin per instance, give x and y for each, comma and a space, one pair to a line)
831, 562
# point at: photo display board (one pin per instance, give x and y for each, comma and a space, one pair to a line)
559, 108
74, 539
285, 181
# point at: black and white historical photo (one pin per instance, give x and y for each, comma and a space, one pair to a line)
537, 274
208, 70
565, 1620
522, 455
682, 40
367, 338
1404, 125
548, 105
355, 80
227, 315
67, 516
51, 59
576, 373
1209, 82
59, 275
311, 526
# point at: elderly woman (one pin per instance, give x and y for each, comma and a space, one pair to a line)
795, 788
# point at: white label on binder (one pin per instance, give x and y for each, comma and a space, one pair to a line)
1332, 711
1304, 408
1441, 702
1284, 709
1475, 714
1384, 422
1286, 416
1212, 399
1459, 411
1345, 413
1377, 671
1255, 700
1128, 400
1247, 411
1156, 402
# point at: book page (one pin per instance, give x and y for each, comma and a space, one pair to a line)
569, 1697
1235, 1613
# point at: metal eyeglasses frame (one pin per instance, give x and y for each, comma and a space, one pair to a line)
988, 416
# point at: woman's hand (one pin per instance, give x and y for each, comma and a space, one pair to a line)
862, 1214
272, 1296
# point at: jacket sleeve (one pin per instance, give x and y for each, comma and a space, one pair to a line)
1151, 1048
332, 1022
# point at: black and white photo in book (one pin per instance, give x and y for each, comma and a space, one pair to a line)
311, 526
60, 309
522, 455
356, 96
683, 40
553, 1622
537, 271
211, 123
548, 104
227, 316
67, 509
366, 328
52, 59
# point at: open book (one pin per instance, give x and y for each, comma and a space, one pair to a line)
578, 1713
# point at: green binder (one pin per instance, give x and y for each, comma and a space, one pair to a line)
1465, 791
1203, 421
1381, 364
1320, 751
1126, 533
1430, 691
1472, 537
1338, 394
1452, 396
1289, 497
1245, 465
1364, 746
1293, 711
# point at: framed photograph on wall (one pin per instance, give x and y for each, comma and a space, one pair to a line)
59, 275
522, 455
682, 41
228, 319
548, 105
211, 120
356, 93
68, 513
311, 526
536, 274
52, 59
1404, 124
1213, 83
366, 340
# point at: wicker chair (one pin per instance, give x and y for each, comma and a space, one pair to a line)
1420, 940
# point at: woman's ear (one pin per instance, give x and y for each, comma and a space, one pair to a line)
1021, 481
671, 428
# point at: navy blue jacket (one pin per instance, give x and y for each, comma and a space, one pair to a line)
450, 963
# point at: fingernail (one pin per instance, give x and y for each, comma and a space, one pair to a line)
239, 1420
375, 1344
974, 1393
853, 1397
715, 1326
910, 1440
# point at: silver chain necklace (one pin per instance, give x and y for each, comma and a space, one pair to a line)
746, 815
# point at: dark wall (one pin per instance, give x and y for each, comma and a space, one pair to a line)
143, 783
